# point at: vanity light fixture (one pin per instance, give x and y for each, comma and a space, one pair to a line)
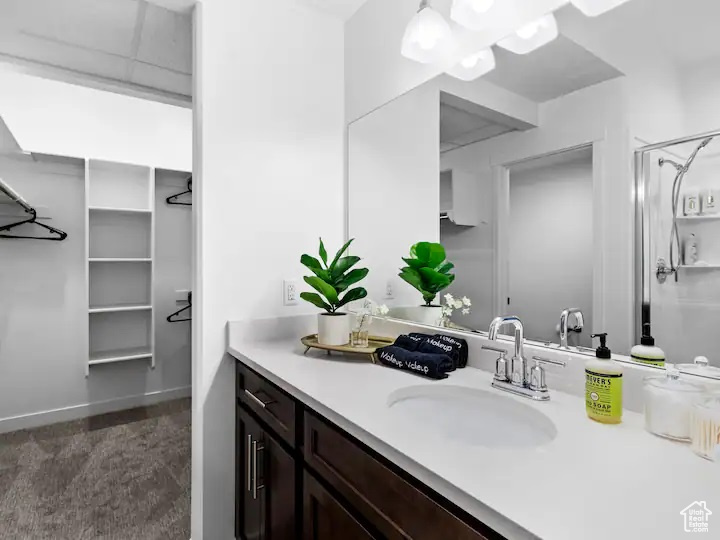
593, 8
474, 66
428, 37
471, 13
532, 36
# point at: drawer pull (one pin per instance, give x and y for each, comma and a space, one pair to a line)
249, 462
257, 400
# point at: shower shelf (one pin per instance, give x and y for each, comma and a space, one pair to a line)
713, 217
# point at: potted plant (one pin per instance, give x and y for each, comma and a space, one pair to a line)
429, 272
330, 280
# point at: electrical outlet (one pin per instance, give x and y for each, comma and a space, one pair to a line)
389, 290
290, 292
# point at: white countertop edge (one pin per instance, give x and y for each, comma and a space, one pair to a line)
464, 501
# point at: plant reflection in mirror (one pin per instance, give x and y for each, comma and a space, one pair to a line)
451, 304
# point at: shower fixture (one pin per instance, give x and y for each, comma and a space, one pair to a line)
681, 170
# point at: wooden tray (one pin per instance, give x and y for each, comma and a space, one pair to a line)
374, 343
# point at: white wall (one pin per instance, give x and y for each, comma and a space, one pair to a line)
63, 119
269, 178
394, 190
44, 315
550, 245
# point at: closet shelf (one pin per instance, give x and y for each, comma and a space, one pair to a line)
120, 210
119, 260
120, 355
120, 308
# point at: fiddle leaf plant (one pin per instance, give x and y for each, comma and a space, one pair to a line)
331, 280
427, 270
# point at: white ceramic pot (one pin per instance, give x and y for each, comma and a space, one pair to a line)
428, 315
334, 329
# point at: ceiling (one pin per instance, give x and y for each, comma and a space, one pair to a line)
557, 69
461, 124
343, 9
129, 42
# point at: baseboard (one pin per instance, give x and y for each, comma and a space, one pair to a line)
76, 412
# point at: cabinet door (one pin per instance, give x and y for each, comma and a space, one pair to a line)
325, 518
265, 484
277, 476
249, 511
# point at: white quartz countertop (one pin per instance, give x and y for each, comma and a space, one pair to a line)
592, 482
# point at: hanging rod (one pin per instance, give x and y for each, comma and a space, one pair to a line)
173, 317
172, 199
32, 218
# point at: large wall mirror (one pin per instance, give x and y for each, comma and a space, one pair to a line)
543, 182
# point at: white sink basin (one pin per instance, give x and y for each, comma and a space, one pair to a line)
471, 416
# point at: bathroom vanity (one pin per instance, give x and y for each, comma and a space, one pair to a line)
328, 444
300, 475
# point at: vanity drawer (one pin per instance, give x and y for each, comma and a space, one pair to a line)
393, 505
268, 402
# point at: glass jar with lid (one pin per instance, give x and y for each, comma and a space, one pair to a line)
705, 428
702, 368
669, 401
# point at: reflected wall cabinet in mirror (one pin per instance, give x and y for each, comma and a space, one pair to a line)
579, 177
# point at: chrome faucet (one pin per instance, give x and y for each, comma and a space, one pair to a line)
516, 374
515, 377
564, 318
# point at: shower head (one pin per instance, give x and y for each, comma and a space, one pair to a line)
686, 167
663, 161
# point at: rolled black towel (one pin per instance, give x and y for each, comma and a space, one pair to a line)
434, 345
434, 366
460, 345
409, 343
419, 335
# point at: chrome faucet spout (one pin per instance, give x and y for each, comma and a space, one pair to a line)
518, 371
564, 318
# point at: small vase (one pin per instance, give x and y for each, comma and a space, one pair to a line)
360, 338
428, 315
333, 329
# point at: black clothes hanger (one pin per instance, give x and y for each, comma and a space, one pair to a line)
173, 199
54, 234
173, 318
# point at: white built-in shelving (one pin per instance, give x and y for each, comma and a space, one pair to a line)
120, 247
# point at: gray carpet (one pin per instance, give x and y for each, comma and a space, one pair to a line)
119, 476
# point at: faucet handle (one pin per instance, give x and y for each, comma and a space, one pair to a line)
501, 364
540, 360
537, 373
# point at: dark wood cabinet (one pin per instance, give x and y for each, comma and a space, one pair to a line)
326, 518
265, 484
300, 476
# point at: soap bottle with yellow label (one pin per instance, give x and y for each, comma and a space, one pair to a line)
603, 386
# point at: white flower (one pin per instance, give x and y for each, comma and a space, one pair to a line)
449, 300
383, 310
466, 311
466, 301
457, 304
446, 311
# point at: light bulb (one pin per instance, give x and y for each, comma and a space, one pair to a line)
471, 13
593, 8
428, 37
531, 36
474, 66
529, 30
